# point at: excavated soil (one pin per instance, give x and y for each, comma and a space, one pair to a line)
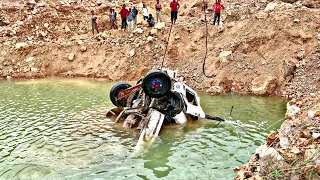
256, 50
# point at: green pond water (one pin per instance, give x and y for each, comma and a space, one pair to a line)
57, 129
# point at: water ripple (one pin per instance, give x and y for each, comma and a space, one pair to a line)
56, 129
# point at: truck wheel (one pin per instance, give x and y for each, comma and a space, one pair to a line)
156, 84
114, 93
177, 102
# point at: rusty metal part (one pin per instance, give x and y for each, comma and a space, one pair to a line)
119, 116
124, 93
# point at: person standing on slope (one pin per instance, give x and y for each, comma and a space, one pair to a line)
174, 11
158, 11
94, 23
217, 11
124, 13
135, 14
145, 12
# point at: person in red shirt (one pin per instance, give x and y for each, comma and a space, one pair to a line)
174, 11
217, 11
124, 13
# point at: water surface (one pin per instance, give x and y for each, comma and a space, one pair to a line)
57, 129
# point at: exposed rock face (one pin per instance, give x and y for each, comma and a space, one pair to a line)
264, 85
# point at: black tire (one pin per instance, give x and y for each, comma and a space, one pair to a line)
159, 79
114, 92
177, 102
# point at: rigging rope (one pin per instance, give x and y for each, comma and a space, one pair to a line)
206, 52
165, 51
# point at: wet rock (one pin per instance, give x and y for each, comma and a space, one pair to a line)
83, 48
21, 45
71, 56
264, 85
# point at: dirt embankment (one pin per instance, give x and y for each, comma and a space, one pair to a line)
264, 49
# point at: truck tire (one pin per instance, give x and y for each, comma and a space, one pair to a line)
177, 102
156, 84
114, 92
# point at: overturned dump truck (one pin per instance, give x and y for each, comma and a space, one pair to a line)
157, 98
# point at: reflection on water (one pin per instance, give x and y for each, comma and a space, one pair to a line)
56, 129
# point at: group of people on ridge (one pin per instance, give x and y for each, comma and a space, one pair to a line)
129, 17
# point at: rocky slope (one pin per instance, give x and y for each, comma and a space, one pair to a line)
261, 48
293, 151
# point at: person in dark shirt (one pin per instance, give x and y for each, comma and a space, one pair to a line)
150, 20
135, 15
94, 22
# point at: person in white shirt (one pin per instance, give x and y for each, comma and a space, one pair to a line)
145, 12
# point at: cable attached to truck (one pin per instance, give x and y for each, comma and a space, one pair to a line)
206, 44
165, 51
